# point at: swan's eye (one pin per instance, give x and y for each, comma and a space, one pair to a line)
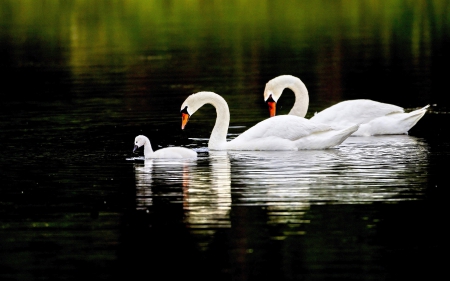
184, 110
270, 99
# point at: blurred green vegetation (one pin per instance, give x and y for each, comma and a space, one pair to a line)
132, 26
229, 39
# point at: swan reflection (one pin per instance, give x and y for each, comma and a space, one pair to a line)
143, 175
165, 174
207, 194
285, 184
203, 185
361, 170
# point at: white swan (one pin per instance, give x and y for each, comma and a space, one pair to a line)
168, 152
375, 118
285, 132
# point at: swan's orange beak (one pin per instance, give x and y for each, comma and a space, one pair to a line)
272, 107
184, 119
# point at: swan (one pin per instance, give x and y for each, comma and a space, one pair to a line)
167, 152
284, 132
375, 118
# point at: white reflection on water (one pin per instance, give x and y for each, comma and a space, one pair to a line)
207, 194
205, 189
144, 181
285, 183
361, 170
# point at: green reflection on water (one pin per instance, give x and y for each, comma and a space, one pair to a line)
224, 46
81, 26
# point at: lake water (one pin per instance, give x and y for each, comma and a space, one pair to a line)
81, 79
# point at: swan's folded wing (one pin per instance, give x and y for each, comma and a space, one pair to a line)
350, 112
288, 127
174, 152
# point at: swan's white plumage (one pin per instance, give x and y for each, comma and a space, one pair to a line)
168, 152
375, 118
286, 132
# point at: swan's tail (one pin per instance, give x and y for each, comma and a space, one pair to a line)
327, 139
414, 116
392, 124
345, 133
420, 111
340, 136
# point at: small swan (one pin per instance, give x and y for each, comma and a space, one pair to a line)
375, 118
284, 132
168, 152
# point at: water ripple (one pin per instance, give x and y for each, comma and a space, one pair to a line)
360, 171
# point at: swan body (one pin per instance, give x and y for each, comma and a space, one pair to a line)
375, 118
168, 152
284, 132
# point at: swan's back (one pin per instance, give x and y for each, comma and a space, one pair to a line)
288, 132
354, 112
288, 127
174, 152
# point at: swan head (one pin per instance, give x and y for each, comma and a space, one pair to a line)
275, 87
195, 101
139, 141
189, 107
271, 95
184, 116
273, 90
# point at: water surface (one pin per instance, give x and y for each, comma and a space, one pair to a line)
80, 80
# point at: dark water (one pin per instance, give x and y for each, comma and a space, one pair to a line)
81, 79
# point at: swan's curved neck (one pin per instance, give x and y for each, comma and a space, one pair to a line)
278, 84
218, 138
147, 148
301, 104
